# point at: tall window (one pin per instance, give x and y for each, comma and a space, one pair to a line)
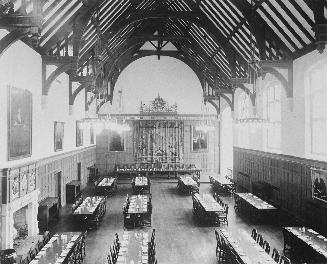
243, 111
272, 111
318, 110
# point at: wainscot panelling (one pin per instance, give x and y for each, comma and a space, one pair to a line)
290, 179
67, 165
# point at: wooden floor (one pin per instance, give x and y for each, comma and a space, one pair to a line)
179, 238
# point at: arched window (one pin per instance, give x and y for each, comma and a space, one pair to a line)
318, 109
272, 111
243, 111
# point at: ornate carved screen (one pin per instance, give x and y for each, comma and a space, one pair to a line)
159, 141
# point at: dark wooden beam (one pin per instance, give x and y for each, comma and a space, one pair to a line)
20, 21
11, 38
259, 27
73, 95
59, 60
282, 64
82, 79
320, 27
61, 69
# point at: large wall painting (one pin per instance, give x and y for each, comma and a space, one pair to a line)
58, 135
19, 123
318, 183
79, 134
199, 140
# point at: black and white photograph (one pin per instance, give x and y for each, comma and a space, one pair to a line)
163, 131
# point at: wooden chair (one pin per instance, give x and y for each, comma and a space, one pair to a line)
222, 216
275, 255
260, 240
32, 253
218, 241
223, 251
84, 243
254, 234
39, 246
129, 221
287, 243
46, 237
24, 261
284, 260
266, 246
109, 259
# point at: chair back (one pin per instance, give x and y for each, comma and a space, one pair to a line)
275, 255
254, 234
260, 240
266, 246
284, 260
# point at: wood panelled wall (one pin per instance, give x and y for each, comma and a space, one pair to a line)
67, 165
291, 180
208, 161
107, 160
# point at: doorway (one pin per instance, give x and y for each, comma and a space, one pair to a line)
79, 171
58, 191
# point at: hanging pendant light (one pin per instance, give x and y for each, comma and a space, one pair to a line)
205, 124
253, 72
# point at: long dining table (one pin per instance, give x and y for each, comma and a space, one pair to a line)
89, 206
186, 183
256, 208
106, 185
208, 203
222, 184
206, 209
138, 204
134, 247
140, 185
306, 244
241, 245
59, 249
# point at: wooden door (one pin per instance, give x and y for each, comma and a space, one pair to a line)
79, 171
58, 191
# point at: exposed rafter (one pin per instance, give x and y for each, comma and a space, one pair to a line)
218, 38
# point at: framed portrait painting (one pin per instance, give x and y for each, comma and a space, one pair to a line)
199, 140
19, 123
58, 135
91, 134
79, 134
116, 141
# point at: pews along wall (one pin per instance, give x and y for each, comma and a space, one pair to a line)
288, 180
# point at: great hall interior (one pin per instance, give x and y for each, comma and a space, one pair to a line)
163, 131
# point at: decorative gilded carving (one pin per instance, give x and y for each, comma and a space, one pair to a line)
158, 106
32, 179
23, 181
14, 184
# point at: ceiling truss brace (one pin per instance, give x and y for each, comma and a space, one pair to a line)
11, 38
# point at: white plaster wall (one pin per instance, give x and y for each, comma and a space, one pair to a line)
295, 132
20, 66
226, 150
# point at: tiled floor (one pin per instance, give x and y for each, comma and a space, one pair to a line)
179, 239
